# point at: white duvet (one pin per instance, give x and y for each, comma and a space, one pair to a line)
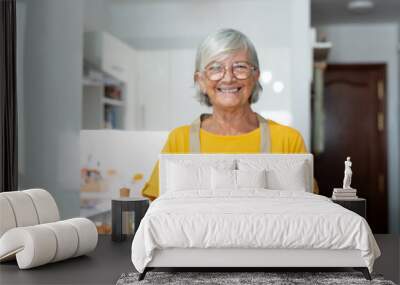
250, 219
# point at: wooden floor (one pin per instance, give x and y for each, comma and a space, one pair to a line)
111, 259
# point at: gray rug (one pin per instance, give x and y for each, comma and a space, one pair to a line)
229, 278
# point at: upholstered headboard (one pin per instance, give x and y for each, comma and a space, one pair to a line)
278, 162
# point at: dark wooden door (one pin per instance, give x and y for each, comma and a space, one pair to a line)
354, 105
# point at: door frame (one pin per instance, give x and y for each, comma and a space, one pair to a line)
381, 131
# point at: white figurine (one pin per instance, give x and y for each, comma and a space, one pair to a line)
347, 174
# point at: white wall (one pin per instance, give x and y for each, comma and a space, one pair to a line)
301, 66
96, 15
376, 43
279, 30
52, 71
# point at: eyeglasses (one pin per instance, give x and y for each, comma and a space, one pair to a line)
241, 70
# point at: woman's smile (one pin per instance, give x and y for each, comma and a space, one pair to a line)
229, 91
229, 95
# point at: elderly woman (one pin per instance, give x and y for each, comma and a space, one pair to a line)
226, 77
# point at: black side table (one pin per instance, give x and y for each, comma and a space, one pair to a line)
121, 206
358, 205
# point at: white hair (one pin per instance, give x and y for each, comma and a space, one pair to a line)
224, 41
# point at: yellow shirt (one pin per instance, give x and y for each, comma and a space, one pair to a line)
284, 139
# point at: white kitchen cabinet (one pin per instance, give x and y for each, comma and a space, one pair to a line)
108, 62
108, 54
131, 98
185, 107
166, 88
153, 90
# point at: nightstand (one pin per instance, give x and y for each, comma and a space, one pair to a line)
358, 205
130, 209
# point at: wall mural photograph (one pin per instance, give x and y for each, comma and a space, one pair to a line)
142, 140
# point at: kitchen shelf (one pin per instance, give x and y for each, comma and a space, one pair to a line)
98, 110
113, 102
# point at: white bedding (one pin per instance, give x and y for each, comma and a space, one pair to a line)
251, 218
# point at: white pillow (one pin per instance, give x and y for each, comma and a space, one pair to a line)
181, 177
184, 175
236, 179
281, 174
223, 179
251, 178
293, 179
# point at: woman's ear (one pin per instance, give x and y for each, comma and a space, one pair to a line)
200, 81
257, 74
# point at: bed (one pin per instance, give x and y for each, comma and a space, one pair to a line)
245, 211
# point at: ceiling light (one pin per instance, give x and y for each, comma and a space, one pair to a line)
360, 6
